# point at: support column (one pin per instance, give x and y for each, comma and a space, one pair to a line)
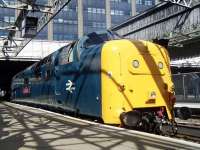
80, 18
108, 15
133, 7
50, 25
17, 12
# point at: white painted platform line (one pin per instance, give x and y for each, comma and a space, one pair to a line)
189, 105
138, 133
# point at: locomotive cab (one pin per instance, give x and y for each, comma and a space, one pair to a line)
136, 83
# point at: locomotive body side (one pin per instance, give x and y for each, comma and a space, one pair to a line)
63, 80
36, 83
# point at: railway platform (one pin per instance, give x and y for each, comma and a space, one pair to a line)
23, 127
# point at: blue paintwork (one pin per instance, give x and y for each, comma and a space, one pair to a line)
83, 72
48, 78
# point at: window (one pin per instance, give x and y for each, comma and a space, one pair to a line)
60, 20
148, 3
112, 12
12, 19
71, 55
126, 1
26, 81
67, 8
89, 10
6, 18
117, 12
139, 2
118, 1
47, 62
37, 70
47, 74
98, 25
63, 56
96, 10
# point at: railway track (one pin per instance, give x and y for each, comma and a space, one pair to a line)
188, 132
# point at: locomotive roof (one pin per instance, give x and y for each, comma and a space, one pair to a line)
93, 38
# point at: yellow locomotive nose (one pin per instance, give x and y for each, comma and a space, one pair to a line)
135, 75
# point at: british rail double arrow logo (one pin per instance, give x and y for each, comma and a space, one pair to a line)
70, 86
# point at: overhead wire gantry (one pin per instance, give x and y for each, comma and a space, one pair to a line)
11, 46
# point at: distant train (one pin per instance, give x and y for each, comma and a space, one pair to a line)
119, 81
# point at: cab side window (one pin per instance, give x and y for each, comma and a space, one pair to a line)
48, 68
37, 70
26, 81
63, 55
71, 56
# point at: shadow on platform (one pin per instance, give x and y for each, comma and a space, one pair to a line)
23, 129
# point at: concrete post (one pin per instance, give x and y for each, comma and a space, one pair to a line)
50, 25
108, 15
17, 12
133, 7
80, 18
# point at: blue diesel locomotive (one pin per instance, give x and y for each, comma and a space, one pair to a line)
119, 81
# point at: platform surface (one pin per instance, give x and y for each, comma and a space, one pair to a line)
23, 128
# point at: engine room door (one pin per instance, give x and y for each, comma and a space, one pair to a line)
65, 76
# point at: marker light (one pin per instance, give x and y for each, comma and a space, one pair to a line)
160, 65
135, 63
153, 95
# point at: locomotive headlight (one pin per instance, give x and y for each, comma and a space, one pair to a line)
135, 63
160, 65
153, 95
